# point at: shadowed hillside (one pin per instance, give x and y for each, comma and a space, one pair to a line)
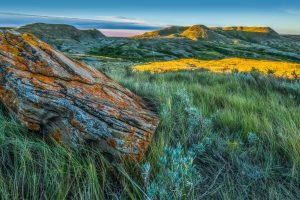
60, 31
64, 37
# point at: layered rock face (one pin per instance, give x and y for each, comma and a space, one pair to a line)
73, 103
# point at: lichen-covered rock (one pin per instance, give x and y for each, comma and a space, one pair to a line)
71, 102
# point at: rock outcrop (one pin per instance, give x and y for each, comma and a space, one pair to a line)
73, 103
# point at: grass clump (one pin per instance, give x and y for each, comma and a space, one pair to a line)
32, 167
175, 173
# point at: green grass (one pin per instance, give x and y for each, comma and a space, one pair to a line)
241, 130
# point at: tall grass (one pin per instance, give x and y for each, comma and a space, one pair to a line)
254, 140
32, 167
229, 136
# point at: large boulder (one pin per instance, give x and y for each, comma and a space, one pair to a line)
57, 96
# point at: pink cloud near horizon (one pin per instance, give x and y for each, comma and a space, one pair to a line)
121, 32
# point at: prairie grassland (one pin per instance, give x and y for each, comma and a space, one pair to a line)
228, 65
221, 136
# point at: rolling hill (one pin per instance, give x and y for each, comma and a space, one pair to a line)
197, 32
201, 32
199, 41
64, 37
61, 31
174, 42
167, 32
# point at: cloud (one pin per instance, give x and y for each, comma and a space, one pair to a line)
100, 22
292, 11
120, 19
121, 32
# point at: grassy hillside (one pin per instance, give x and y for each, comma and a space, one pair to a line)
175, 42
64, 37
61, 31
174, 48
166, 32
228, 65
200, 32
229, 136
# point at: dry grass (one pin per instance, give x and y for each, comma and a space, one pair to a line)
279, 68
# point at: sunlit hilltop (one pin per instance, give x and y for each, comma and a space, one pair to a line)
198, 32
278, 68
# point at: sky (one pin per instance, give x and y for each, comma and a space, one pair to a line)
139, 15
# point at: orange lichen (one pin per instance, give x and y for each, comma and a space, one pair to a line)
123, 104
281, 69
148, 136
112, 143
76, 124
32, 126
34, 105
129, 139
115, 114
97, 91
57, 136
9, 99
45, 47
10, 49
38, 79
134, 143
30, 39
142, 144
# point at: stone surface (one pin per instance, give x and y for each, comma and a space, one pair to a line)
73, 103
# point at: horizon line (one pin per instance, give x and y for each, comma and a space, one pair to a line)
132, 25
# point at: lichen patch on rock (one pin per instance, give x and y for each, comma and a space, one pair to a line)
71, 102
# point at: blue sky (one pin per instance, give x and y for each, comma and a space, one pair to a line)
282, 15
